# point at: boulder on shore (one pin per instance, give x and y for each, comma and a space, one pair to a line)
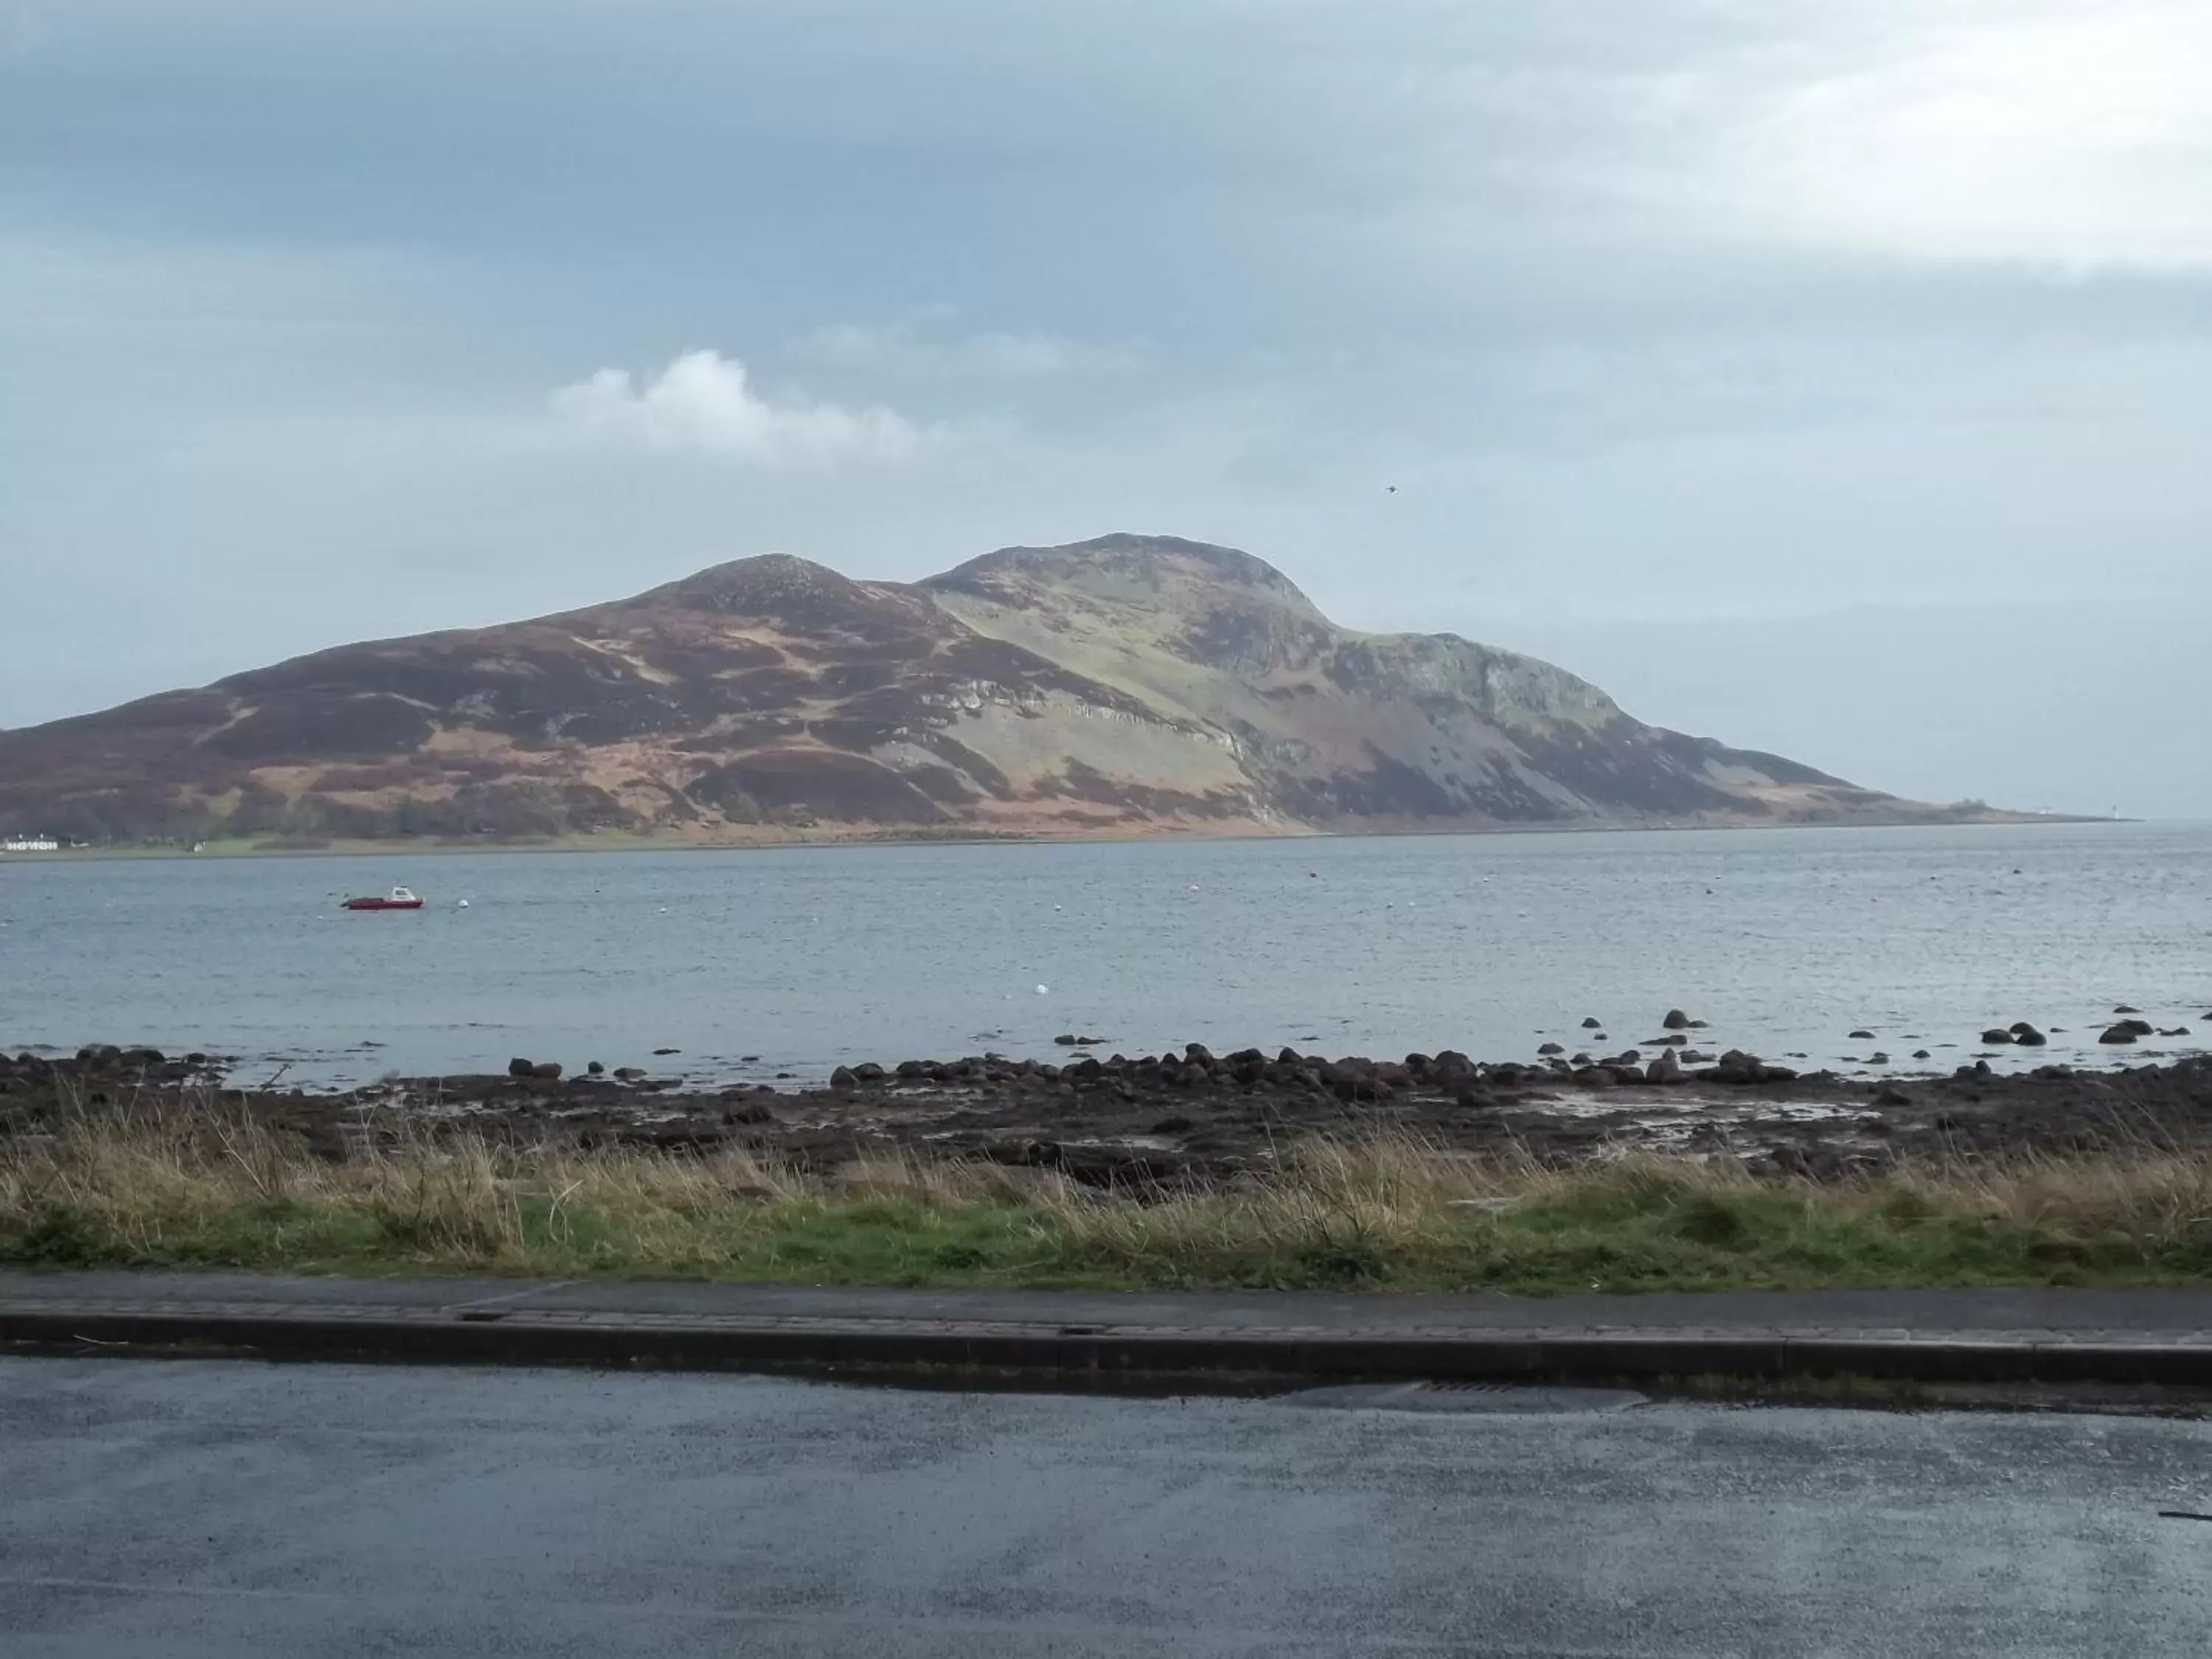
2117, 1034
1738, 1068
1592, 1023
1676, 1020
1996, 1035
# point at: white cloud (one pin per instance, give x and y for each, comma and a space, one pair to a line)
703, 402
907, 350
2048, 131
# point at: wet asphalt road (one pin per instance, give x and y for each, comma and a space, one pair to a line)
226, 1508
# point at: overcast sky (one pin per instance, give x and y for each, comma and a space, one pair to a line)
1831, 376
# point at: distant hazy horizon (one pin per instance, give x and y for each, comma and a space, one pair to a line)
1829, 380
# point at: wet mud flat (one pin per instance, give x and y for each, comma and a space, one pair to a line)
1187, 1117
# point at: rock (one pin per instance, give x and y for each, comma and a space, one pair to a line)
1878, 1058
2117, 1034
1665, 1069
751, 1112
1921, 1053
842, 1079
1581, 1060
1891, 1095
594, 1069
659, 1051
2027, 1036
868, 1072
1738, 1068
520, 1067
546, 1071
2125, 1009
1551, 1048
1862, 1037
628, 1073
1996, 1035
2179, 1030
1065, 1039
1197, 1053
2142, 1028
1593, 1023
1676, 1020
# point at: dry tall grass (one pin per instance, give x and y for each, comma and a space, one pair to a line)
206, 1182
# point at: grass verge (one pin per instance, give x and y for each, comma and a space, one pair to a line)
205, 1185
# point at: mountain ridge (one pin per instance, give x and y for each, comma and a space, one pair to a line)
1125, 685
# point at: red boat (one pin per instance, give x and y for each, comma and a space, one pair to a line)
398, 899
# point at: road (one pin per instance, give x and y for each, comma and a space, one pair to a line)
223, 1508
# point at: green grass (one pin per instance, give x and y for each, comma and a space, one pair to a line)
206, 1186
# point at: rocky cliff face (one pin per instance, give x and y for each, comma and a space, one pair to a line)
1131, 684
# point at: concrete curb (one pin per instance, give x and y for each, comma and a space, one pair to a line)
1100, 1356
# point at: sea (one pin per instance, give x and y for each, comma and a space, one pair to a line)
747, 963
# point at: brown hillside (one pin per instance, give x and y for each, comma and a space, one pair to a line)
1130, 684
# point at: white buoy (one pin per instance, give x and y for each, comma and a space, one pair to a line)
464, 904
1044, 990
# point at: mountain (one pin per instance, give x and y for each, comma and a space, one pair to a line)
1133, 684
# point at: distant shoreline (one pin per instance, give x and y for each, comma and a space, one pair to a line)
633, 843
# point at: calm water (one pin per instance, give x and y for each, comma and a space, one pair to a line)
1785, 940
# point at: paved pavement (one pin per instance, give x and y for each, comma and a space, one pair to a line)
223, 1509
2175, 1310
2148, 1336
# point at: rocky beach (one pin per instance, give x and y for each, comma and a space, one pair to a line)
1186, 1118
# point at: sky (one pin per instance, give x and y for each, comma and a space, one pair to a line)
1820, 375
